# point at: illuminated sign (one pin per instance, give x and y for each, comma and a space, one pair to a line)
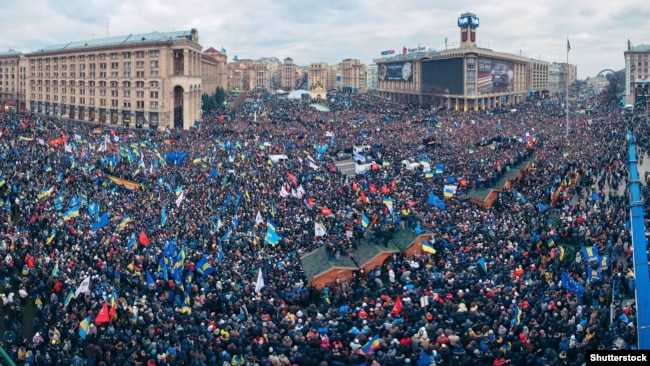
464, 21
389, 52
406, 50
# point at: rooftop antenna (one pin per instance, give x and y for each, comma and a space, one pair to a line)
106, 28
445, 43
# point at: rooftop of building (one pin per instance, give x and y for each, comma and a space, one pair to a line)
640, 48
10, 52
120, 40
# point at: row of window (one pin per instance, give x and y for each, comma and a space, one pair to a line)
154, 64
101, 83
139, 104
93, 75
114, 93
101, 56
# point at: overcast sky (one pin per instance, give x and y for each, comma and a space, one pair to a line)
333, 30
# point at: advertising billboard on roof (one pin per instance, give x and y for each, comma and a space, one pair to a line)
396, 71
442, 76
495, 75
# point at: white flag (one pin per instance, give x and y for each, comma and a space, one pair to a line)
319, 229
260, 282
258, 218
179, 200
83, 288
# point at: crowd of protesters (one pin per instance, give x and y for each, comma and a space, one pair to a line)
142, 247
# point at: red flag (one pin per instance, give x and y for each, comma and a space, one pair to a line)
374, 220
412, 203
102, 317
397, 308
364, 199
311, 201
385, 189
143, 238
374, 166
393, 185
113, 311
354, 186
325, 211
293, 178
373, 189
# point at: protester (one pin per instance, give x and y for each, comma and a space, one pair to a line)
183, 247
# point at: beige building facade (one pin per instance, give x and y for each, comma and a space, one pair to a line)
13, 66
353, 76
148, 80
465, 78
290, 75
637, 75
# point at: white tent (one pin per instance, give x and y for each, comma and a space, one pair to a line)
297, 94
319, 107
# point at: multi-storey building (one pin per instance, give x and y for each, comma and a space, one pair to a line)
568, 76
153, 79
637, 86
371, 77
553, 79
353, 76
12, 81
214, 73
464, 78
538, 79
290, 75
319, 79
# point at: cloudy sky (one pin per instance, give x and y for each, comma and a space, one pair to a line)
333, 30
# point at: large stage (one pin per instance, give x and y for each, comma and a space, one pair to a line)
320, 271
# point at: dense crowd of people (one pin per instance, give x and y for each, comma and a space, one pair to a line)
141, 247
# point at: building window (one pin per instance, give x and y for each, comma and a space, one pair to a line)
102, 74
114, 75
126, 104
126, 84
126, 55
139, 74
153, 84
72, 100
139, 84
102, 65
114, 93
153, 105
154, 53
471, 63
127, 65
115, 56
127, 93
114, 103
115, 65
153, 95
139, 54
139, 104
154, 74
139, 64
102, 102
127, 74
82, 100
139, 94
153, 64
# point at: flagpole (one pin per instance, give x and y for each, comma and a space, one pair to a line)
566, 79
